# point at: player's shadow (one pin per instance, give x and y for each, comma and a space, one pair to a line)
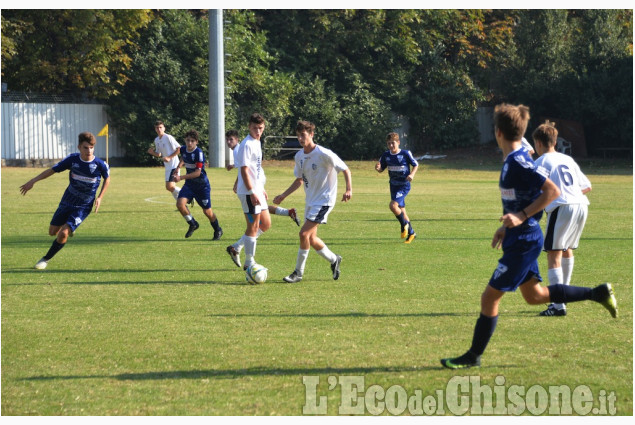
352, 314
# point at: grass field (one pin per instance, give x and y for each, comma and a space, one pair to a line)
130, 318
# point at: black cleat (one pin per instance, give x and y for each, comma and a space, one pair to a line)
335, 267
552, 311
217, 234
294, 277
465, 361
193, 227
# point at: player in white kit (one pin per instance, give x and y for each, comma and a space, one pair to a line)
566, 215
166, 147
316, 169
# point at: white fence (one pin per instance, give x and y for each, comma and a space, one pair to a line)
48, 131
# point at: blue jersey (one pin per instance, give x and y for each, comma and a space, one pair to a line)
520, 183
84, 178
192, 161
398, 166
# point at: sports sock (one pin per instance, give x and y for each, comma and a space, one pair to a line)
282, 211
175, 193
402, 219
188, 217
555, 278
260, 232
54, 249
240, 243
327, 254
569, 294
567, 269
483, 331
215, 224
250, 249
301, 261
410, 229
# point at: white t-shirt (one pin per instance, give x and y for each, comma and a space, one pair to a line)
526, 145
318, 169
249, 154
566, 174
166, 145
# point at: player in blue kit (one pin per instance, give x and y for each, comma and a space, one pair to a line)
196, 185
525, 192
398, 161
86, 172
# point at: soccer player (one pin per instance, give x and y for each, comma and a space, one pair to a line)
167, 147
398, 161
250, 189
316, 168
86, 172
196, 185
566, 215
525, 192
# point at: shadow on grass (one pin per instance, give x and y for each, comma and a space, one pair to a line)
349, 314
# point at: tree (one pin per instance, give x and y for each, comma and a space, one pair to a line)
81, 52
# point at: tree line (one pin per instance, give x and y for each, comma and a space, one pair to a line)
357, 74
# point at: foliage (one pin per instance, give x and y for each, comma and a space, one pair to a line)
82, 52
168, 81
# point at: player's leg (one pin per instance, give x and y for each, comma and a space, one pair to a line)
308, 229
319, 215
170, 186
64, 222
251, 236
185, 196
291, 213
204, 200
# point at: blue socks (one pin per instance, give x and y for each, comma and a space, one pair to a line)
483, 331
569, 294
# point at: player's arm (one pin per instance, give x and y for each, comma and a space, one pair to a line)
244, 172
153, 152
549, 193
29, 185
411, 176
292, 188
172, 155
102, 192
349, 185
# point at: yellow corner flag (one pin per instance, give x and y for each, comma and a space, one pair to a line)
104, 131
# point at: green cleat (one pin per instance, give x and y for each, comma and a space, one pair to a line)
465, 361
608, 300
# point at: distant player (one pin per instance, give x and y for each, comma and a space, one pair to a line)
525, 192
316, 169
196, 185
85, 174
166, 147
250, 189
566, 215
398, 161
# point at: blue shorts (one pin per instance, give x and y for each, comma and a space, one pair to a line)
200, 193
519, 262
399, 193
71, 215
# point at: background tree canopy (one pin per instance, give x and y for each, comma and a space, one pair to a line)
357, 74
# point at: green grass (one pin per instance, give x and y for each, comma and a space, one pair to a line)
130, 318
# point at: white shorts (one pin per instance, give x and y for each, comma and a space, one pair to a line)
249, 208
317, 214
564, 227
169, 171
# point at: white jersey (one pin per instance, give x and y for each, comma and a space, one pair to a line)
526, 145
566, 174
166, 145
318, 170
249, 154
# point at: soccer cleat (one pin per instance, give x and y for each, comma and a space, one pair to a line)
608, 299
41, 265
465, 361
294, 277
217, 234
234, 254
552, 311
404, 231
335, 267
193, 227
294, 216
411, 237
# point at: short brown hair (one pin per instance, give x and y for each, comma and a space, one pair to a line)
158, 122
231, 133
87, 137
546, 134
256, 118
511, 120
192, 134
307, 126
392, 136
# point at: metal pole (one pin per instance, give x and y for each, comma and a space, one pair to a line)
216, 90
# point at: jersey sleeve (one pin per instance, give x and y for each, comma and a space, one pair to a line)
382, 161
105, 170
411, 159
335, 160
175, 145
585, 183
200, 159
297, 170
63, 165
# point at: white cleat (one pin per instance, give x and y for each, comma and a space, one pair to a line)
41, 265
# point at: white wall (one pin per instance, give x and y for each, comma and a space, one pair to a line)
49, 130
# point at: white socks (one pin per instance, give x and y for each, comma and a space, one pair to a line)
567, 269
301, 261
555, 278
327, 254
282, 211
175, 193
250, 249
